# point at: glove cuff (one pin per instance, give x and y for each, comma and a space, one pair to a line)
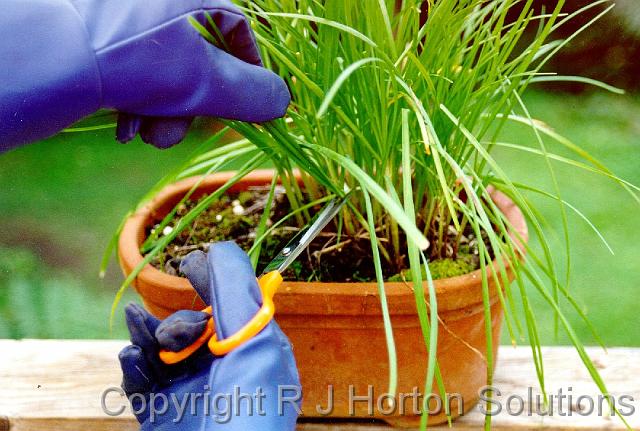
52, 79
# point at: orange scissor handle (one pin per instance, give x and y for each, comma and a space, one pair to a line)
269, 284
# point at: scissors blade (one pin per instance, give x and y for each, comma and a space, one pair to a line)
303, 238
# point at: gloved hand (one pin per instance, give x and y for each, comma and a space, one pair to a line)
61, 60
263, 365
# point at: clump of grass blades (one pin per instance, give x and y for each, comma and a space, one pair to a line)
405, 100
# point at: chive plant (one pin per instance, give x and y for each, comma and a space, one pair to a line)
403, 103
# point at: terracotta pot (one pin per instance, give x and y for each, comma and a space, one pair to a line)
336, 328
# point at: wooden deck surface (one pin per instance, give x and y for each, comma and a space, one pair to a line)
57, 385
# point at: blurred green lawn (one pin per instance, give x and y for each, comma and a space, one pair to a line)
61, 199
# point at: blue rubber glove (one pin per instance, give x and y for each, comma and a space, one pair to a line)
224, 279
61, 60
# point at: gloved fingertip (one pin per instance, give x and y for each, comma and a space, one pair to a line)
181, 329
127, 127
141, 325
136, 373
229, 251
194, 266
282, 101
235, 28
134, 312
163, 132
274, 97
268, 99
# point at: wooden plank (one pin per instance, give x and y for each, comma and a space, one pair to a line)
57, 384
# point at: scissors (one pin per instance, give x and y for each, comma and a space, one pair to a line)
269, 281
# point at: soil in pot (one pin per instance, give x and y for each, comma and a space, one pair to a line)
235, 216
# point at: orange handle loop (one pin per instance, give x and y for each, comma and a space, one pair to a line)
269, 284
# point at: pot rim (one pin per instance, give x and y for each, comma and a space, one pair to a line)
360, 298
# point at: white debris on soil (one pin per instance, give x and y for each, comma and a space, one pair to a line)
237, 208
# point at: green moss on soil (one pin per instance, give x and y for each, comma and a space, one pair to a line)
443, 268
